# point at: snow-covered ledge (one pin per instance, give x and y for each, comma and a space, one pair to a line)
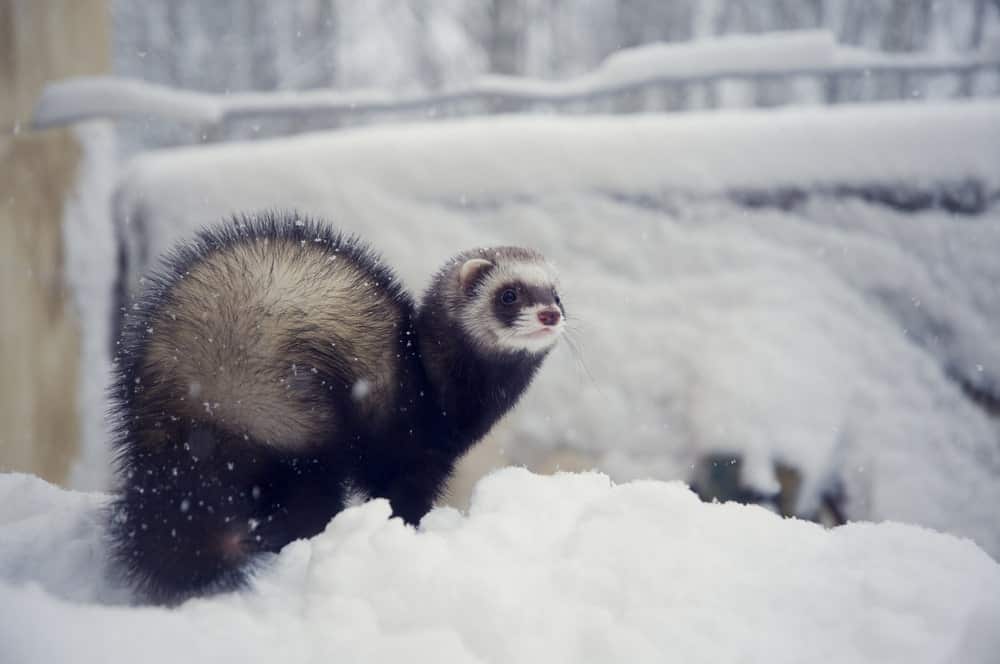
567, 568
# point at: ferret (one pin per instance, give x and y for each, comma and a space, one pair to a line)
273, 366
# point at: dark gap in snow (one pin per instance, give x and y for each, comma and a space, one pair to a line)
965, 197
720, 477
487, 203
666, 202
982, 396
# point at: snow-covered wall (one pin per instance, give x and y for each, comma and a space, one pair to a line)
568, 568
90, 256
481, 159
839, 337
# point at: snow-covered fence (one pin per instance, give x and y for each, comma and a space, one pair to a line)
761, 70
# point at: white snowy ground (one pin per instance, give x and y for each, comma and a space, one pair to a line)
824, 338
565, 568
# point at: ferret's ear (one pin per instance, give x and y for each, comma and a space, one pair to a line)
471, 272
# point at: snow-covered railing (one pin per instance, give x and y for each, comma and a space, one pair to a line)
651, 77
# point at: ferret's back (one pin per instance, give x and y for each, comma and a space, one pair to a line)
258, 325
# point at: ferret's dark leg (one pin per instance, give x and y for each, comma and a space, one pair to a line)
409, 504
181, 523
192, 514
412, 487
296, 500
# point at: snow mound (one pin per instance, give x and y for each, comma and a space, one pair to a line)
568, 568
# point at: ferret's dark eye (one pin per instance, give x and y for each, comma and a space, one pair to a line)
558, 301
509, 296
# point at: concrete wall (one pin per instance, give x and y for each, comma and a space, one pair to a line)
40, 40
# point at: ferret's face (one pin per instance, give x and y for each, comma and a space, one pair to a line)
511, 302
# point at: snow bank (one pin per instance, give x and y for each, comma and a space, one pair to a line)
834, 337
569, 568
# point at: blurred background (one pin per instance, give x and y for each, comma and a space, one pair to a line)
777, 220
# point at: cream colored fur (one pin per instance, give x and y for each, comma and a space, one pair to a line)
225, 331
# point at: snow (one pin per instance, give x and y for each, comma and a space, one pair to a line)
744, 55
708, 58
483, 158
90, 255
853, 56
89, 97
832, 337
565, 568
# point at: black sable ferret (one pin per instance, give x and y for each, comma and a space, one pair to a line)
273, 365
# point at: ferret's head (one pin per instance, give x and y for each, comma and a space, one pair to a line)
505, 299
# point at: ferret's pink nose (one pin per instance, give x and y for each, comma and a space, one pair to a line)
549, 316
